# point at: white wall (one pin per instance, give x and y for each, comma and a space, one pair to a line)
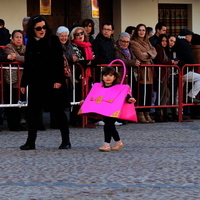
12, 12
136, 12
117, 18
126, 13
146, 11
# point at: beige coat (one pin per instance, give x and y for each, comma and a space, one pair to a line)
144, 52
19, 58
11, 49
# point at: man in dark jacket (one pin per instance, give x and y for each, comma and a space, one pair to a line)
103, 48
103, 45
183, 47
4, 34
160, 28
185, 56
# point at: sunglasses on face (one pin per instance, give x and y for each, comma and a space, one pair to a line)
39, 28
77, 34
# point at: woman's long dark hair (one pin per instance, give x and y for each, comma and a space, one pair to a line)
31, 23
159, 41
86, 22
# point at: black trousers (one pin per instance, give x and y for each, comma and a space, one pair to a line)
33, 121
110, 130
13, 114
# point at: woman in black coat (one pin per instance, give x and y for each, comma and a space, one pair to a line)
44, 76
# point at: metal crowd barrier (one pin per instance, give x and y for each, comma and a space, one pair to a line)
84, 87
187, 84
175, 80
178, 91
6, 70
170, 84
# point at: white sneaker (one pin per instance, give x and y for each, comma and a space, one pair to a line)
100, 123
118, 123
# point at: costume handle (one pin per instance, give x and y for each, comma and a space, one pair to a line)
124, 66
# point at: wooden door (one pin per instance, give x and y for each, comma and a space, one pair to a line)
105, 11
63, 12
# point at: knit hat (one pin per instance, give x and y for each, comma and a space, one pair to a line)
62, 29
185, 32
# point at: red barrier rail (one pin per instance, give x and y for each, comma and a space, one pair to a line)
9, 71
85, 85
184, 89
178, 78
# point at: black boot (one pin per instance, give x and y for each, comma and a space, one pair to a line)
27, 147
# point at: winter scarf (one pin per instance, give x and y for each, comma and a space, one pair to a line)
87, 46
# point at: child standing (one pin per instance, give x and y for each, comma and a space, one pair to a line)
109, 79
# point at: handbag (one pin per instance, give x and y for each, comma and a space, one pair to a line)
110, 102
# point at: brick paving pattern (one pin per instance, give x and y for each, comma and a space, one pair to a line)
159, 161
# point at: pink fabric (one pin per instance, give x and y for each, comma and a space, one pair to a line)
87, 46
110, 102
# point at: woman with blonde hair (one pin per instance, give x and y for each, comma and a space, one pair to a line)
83, 50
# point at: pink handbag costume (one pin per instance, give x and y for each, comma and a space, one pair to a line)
110, 102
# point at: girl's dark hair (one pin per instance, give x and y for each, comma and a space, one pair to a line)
159, 41
110, 70
86, 22
171, 36
16, 31
135, 34
31, 23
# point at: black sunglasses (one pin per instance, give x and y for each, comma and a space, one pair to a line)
39, 28
77, 34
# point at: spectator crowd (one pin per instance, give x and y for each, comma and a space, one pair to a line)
136, 46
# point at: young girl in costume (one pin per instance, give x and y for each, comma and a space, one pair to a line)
109, 79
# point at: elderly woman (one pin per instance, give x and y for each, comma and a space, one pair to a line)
145, 52
69, 57
63, 35
16, 46
13, 113
123, 52
81, 45
83, 49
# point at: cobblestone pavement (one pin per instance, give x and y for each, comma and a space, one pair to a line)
159, 161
